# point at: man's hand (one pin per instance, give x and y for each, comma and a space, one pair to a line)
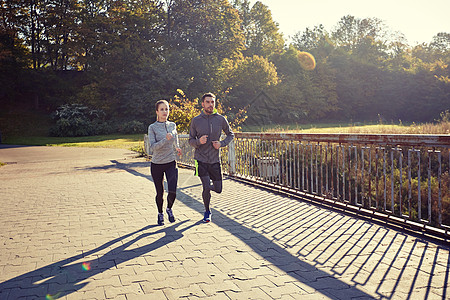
203, 139
178, 151
216, 144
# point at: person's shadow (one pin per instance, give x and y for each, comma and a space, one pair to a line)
67, 276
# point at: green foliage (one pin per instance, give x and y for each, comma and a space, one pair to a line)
118, 141
248, 76
183, 110
316, 41
262, 36
25, 123
139, 149
132, 127
309, 95
211, 27
75, 120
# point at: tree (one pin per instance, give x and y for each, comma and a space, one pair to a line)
123, 58
441, 42
200, 35
210, 27
361, 36
308, 95
399, 54
357, 83
247, 77
262, 36
14, 60
315, 41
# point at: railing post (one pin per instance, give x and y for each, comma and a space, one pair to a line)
232, 157
146, 144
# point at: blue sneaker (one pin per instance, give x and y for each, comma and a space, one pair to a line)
160, 219
207, 217
170, 214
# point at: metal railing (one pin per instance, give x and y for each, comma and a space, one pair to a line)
404, 178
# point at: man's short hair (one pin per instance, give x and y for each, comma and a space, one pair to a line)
208, 95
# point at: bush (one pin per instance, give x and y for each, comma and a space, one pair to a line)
132, 127
75, 120
106, 127
72, 127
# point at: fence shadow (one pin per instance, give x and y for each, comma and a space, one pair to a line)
378, 258
272, 253
310, 237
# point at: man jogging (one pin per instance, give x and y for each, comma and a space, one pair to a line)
204, 136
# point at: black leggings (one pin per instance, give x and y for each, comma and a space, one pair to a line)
207, 188
171, 171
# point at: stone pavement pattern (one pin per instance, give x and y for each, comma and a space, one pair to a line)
79, 223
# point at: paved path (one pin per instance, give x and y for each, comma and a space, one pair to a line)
79, 223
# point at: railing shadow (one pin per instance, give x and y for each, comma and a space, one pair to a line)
378, 258
364, 253
267, 249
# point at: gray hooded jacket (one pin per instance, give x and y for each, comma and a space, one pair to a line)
212, 126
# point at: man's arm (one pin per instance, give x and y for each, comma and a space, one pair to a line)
193, 135
230, 134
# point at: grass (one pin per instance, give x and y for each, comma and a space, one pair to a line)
31, 128
426, 128
131, 141
289, 127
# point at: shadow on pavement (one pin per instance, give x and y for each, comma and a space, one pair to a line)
68, 276
367, 255
268, 250
6, 146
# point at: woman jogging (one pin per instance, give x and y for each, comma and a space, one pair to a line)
163, 140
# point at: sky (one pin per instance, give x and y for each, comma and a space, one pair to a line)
418, 20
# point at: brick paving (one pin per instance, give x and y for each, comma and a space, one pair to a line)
80, 223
